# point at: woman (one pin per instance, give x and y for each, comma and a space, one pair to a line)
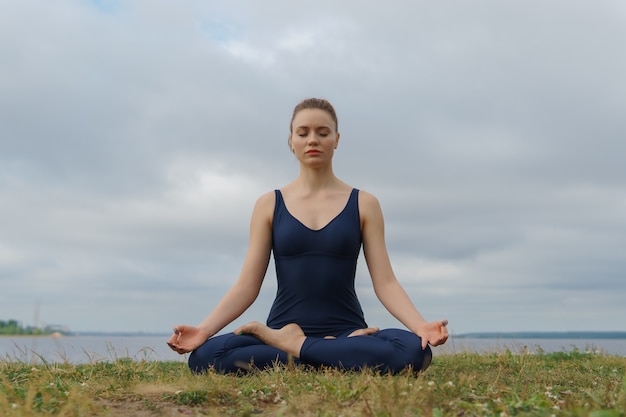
315, 227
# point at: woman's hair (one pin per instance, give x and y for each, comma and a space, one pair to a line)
315, 103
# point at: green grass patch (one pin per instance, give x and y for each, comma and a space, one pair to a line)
462, 384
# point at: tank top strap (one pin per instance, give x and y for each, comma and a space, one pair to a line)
353, 201
353, 207
279, 205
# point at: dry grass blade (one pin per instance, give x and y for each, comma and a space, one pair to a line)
462, 384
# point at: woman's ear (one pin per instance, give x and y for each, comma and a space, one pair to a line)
289, 144
337, 140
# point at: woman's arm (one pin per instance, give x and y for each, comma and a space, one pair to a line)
245, 290
386, 286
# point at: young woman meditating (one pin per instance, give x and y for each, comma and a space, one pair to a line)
315, 227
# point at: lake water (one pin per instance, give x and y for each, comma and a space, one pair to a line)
86, 349
616, 347
89, 349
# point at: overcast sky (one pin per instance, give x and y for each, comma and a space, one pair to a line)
135, 137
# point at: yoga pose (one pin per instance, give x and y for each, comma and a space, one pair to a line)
315, 227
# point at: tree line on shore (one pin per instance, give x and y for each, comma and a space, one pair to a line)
14, 327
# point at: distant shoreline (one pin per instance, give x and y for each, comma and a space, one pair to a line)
474, 335
542, 335
88, 334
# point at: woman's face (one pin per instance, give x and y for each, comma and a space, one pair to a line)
314, 136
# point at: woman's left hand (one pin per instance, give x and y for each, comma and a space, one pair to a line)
434, 333
187, 338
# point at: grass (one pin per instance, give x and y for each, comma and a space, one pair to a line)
461, 384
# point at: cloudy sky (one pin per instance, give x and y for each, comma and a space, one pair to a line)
135, 137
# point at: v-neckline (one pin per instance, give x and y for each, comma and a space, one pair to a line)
327, 224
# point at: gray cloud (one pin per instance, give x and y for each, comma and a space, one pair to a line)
135, 138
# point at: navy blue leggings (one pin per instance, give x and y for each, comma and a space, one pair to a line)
390, 350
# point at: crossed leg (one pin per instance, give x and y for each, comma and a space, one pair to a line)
256, 345
389, 350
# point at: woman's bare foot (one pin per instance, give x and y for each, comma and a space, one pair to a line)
359, 332
364, 332
288, 338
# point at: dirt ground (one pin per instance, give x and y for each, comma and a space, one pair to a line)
146, 401
146, 407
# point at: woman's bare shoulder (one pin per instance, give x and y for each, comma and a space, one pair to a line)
263, 212
367, 199
266, 201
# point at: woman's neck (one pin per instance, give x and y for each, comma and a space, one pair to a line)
317, 179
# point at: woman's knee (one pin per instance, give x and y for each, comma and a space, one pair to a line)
232, 353
426, 360
210, 353
202, 358
408, 350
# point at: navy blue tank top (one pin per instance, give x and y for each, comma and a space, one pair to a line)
316, 271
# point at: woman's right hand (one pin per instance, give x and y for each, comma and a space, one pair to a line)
187, 338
